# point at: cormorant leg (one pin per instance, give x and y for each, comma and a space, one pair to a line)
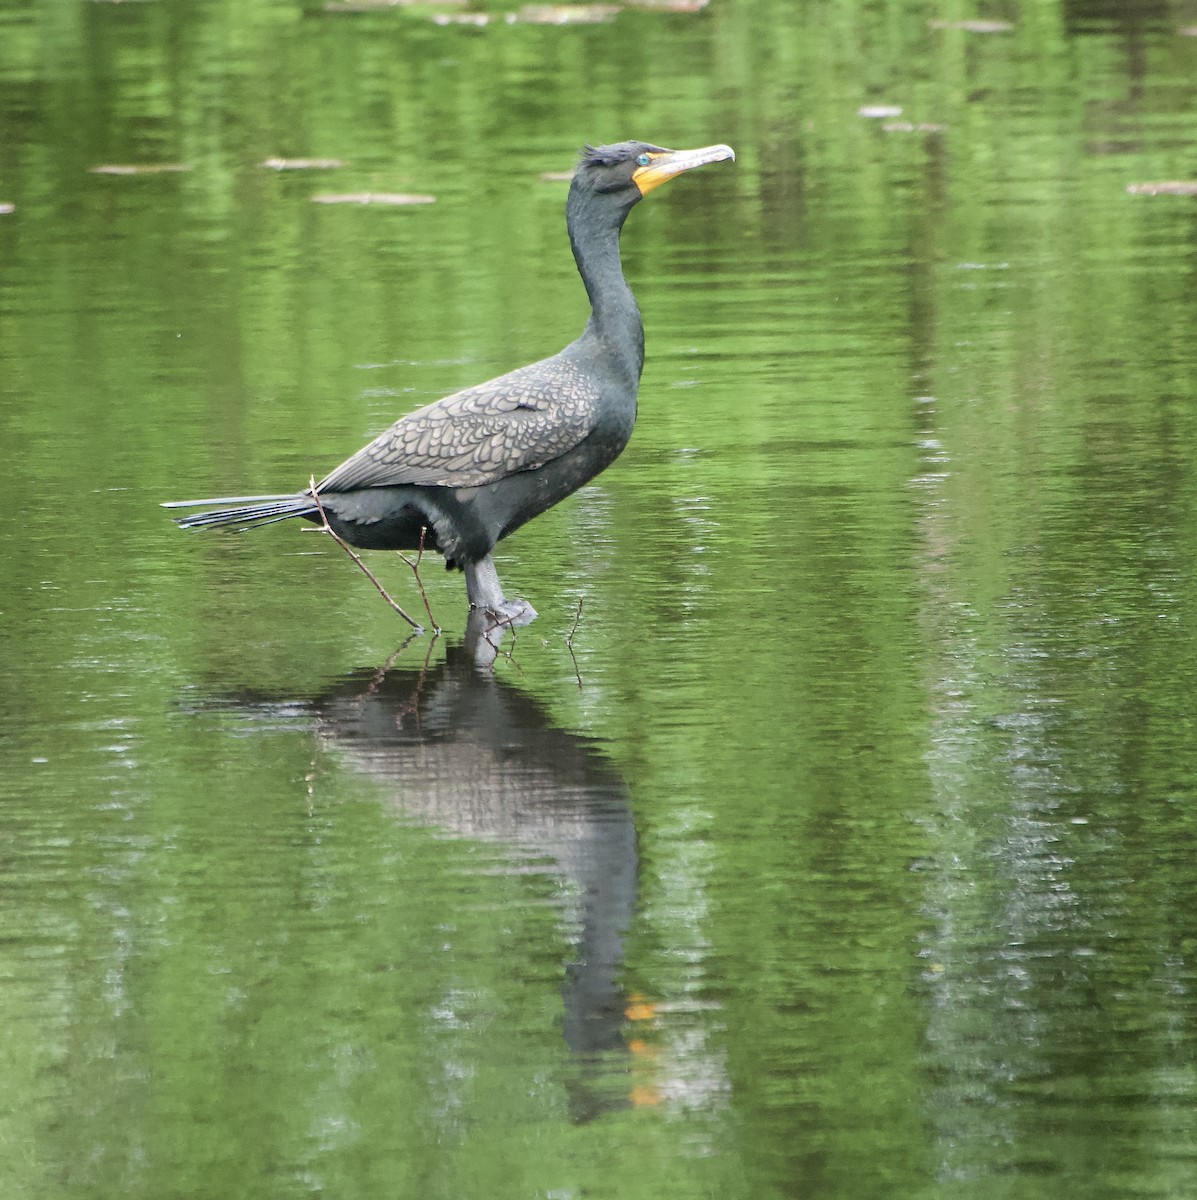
486, 592
483, 637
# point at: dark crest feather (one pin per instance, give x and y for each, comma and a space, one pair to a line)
609, 156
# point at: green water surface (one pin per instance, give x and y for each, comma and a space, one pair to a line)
849, 847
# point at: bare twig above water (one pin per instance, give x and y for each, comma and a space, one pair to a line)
569, 641
357, 559
415, 570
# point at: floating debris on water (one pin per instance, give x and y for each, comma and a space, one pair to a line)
556, 176
301, 164
912, 127
1187, 31
361, 6
378, 5
557, 14
392, 198
139, 168
533, 14
1168, 187
974, 26
566, 14
471, 18
7, 208
879, 111
368, 6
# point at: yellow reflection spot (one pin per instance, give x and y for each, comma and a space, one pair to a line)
643, 1096
639, 1009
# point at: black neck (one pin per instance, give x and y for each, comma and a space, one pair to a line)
594, 227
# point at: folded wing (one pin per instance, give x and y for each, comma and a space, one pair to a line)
517, 422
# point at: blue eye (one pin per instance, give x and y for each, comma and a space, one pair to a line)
644, 159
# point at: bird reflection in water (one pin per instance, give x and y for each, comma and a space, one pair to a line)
467, 753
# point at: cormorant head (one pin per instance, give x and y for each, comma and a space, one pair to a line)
629, 170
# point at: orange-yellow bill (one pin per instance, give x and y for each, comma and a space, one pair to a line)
666, 164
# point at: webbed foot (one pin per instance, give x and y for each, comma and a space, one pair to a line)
511, 612
486, 594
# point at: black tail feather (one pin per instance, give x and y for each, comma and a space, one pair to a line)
246, 511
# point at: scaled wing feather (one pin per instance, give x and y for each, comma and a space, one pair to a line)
517, 422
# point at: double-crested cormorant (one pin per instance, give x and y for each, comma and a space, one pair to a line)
460, 474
